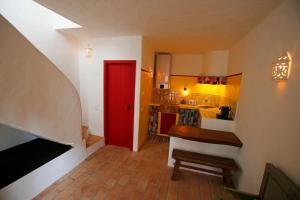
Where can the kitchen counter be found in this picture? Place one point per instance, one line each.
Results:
(204, 141)
(187, 106)
(209, 112)
(205, 135)
(206, 120)
(206, 111)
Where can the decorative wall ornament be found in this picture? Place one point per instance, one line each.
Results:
(281, 67)
(88, 52)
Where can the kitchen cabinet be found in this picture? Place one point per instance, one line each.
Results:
(189, 117)
(153, 119)
(160, 122)
(167, 120)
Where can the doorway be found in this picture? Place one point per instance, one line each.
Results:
(119, 87)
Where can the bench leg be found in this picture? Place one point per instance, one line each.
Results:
(227, 177)
(175, 170)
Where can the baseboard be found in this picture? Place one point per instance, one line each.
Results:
(92, 149)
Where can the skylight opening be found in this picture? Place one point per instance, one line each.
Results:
(59, 21)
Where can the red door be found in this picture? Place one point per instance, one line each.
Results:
(119, 85)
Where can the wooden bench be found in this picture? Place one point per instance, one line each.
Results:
(226, 164)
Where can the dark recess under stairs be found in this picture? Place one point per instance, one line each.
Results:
(20, 160)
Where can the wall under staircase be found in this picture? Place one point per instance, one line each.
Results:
(36, 24)
(10, 137)
(35, 96)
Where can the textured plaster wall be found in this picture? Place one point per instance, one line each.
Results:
(34, 95)
(268, 113)
(187, 64)
(10, 137)
(215, 63)
(35, 22)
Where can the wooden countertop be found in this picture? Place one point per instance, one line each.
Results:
(153, 104)
(205, 135)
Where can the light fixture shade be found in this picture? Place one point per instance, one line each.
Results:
(281, 68)
(185, 92)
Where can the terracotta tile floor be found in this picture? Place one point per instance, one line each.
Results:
(116, 173)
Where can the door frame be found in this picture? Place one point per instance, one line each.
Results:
(106, 64)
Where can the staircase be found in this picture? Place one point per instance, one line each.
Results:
(89, 138)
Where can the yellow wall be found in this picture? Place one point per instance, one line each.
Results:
(145, 98)
(191, 83)
(231, 93)
(146, 89)
(30, 84)
(232, 89)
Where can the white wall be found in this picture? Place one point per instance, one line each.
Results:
(218, 124)
(91, 77)
(34, 95)
(186, 64)
(201, 147)
(215, 63)
(268, 114)
(212, 63)
(37, 98)
(35, 23)
(10, 137)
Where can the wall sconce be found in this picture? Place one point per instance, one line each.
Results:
(281, 67)
(88, 52)
(151, 73)
(185, 92)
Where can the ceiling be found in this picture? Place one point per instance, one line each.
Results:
(190, 26)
